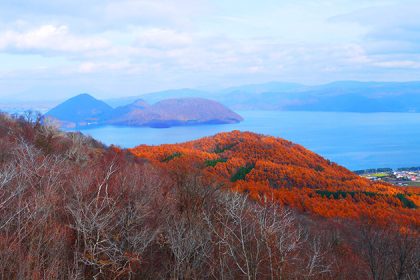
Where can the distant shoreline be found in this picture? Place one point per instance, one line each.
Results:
(386, 169)
(404, 177)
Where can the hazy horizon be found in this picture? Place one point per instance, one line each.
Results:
(58, 49)
(209, 90)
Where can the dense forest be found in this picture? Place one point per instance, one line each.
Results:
(233, 206)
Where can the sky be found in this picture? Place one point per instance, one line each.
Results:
(51, 50)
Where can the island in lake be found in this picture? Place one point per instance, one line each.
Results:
(84, 111)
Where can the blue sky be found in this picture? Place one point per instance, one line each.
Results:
(110, 48)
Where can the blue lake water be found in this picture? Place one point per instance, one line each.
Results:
(354, 140)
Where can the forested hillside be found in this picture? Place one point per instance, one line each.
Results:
(268, 167)
(232, 206)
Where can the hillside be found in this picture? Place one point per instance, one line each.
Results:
(232, 206)
(80, 110)
(265, 166)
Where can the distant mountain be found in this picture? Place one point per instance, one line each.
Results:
(159, 96)
(341, 96)
(363, 97)
(265, 87)
(171, 112)
(84, 110)
(242, 92)
(346, 96)
(138, 105)
(80, 110)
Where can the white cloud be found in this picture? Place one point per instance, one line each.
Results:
(388, 26)
(399, 64)
(93, 67)
(153, 12)
(49, 39)
(87, 67)
(163, 38)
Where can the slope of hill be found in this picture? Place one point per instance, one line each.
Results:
(268, 167)
(80, 110)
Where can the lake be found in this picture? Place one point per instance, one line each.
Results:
(354, 140)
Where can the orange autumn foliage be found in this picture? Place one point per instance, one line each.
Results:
(279, 170)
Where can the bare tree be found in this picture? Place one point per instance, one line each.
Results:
(283, 238)
(190, 246)
(112, 229)
(237, 236)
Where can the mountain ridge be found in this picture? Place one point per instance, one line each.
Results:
(339, 96)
